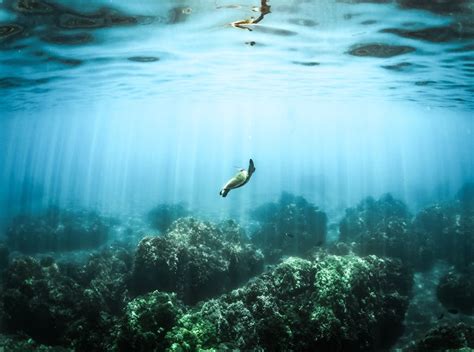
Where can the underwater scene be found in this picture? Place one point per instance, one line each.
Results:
(236, 175)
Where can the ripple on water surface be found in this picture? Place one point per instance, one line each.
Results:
(380, 50)
(249, 45)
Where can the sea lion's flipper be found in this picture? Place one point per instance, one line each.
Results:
(251, 168)
(224, 192)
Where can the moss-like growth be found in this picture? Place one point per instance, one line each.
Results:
(293, 226)
(20, 344)
(356, 299)
(456, 337)
(38, 300)
(146, 321)
(103, 296)
(196, 260)
(67, 304)
(333, 303)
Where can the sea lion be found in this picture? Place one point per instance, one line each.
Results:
(242, 177)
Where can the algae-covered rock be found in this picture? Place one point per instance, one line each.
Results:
(379, 227)
(11, 343)
(58, 230)
(293, 226)
(103, 296)
(163, 215)
(146, 321)
(456, 291)
(446, 230)
(73, 305)
(446, 337)
(195, 259)
(38, 300)
(331, 304)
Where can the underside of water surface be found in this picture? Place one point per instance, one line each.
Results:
(259, 175)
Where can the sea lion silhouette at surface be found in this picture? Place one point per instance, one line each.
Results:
(242, 177)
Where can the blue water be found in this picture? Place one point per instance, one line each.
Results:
(117, 106)
(162, 101)
(130, 156)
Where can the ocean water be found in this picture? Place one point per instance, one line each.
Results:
(119, 117)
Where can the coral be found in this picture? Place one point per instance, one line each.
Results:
(293, 226)
(330, 304)
(456, 291)
(446, 337)
(163, 215)
(146, 321)
(58, 230)
(195, 259)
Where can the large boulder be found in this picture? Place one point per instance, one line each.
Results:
(446, 337)
(379, 227)
(38, 300)
(446, 230)
(384, 227)
(333, 303)
(456, 291)
(163, 215)
(291, 227)
(195, 259)
(68, 304)
(146, 321)
(102, 298)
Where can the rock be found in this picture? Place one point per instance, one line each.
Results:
(331, 304)
(104, 294)
(446, 231)
(58, 230)
(38, 300)
(195, 259)
(71, 305)
(293, 226)
(147, 320)
(456, 291)
(381, 227)
(163, 215)
(446, 337)
(21, 344)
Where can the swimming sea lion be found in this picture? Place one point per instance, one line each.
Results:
(238, 180)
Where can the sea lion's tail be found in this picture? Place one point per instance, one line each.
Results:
(224, 192)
